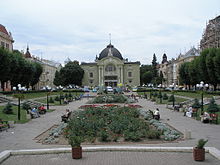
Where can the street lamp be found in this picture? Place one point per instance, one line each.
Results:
(201, 86)
(47, 88)
(19, 96)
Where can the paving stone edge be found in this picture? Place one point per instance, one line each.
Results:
(6, 154)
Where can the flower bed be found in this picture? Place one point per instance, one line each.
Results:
(111, 98)
(134, 106)
(168, 133)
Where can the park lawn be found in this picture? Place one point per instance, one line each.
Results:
(14, 116)
(44, 101)
(193, 95)
(178, 100)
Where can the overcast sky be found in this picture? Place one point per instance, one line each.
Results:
(79, 29)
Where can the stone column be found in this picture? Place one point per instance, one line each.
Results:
(122, 76)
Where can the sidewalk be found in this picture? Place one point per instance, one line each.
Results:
(21, 137)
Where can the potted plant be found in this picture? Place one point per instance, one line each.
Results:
(199, 150)
(75, 142)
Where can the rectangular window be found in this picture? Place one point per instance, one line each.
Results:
(7, 46)
(129, 74)
(2, 44)
(91, 74)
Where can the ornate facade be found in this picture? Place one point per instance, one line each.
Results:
(111, 69)
(170, 69)
(49, 69)
(211, 35)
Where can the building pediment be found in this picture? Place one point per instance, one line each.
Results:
(110, 59)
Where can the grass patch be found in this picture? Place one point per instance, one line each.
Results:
(14, 116)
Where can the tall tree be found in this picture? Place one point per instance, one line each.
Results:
(71, 73)
(211, 67)
(143, 70)
(38, 69)
(4, 67)
(154, 66)
(184, 74)
(57, 79)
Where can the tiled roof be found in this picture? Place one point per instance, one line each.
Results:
(3, 29)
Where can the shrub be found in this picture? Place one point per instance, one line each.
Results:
(165, 97)
(104, 136)
(51, 100)
(159, 95)
(171, 98)
(153, 134)
(196, 104)
(213, 107)
(26, 106)
(57, 98)
(8, 109)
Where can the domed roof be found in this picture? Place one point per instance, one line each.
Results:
(110, 51)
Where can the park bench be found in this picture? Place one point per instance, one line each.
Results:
(214, 118)
(66, 119)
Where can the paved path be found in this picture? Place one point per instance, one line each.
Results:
(182, 123)
(21, 137)
(112, 158)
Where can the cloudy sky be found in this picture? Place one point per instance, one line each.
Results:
(79, 29)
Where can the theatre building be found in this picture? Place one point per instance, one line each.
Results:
(111, 69)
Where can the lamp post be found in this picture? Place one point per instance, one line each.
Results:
(48, 93)
(201, 86)
(19, 96)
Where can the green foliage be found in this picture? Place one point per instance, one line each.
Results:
(110, 98)
(57, 98)
(153, 134)
(205, 68)
(8, 109)
(104, 135)
(213, 107)
(26, 106)
(171, 98)
(15, 68)
(159, 94)
(51, 100)
(165, 97)
(201, 143)
(108, 124)
(71, 73)
(196, 104)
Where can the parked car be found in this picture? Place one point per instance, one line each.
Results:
(109, 89)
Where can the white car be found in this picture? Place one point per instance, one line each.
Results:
(109, 89)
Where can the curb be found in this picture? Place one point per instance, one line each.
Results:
(6, 154)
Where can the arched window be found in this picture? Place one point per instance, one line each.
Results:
(90, 74)
(110, 68)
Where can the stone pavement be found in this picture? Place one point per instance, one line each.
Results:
(22, 135)
(112, 158)
(181, 123)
